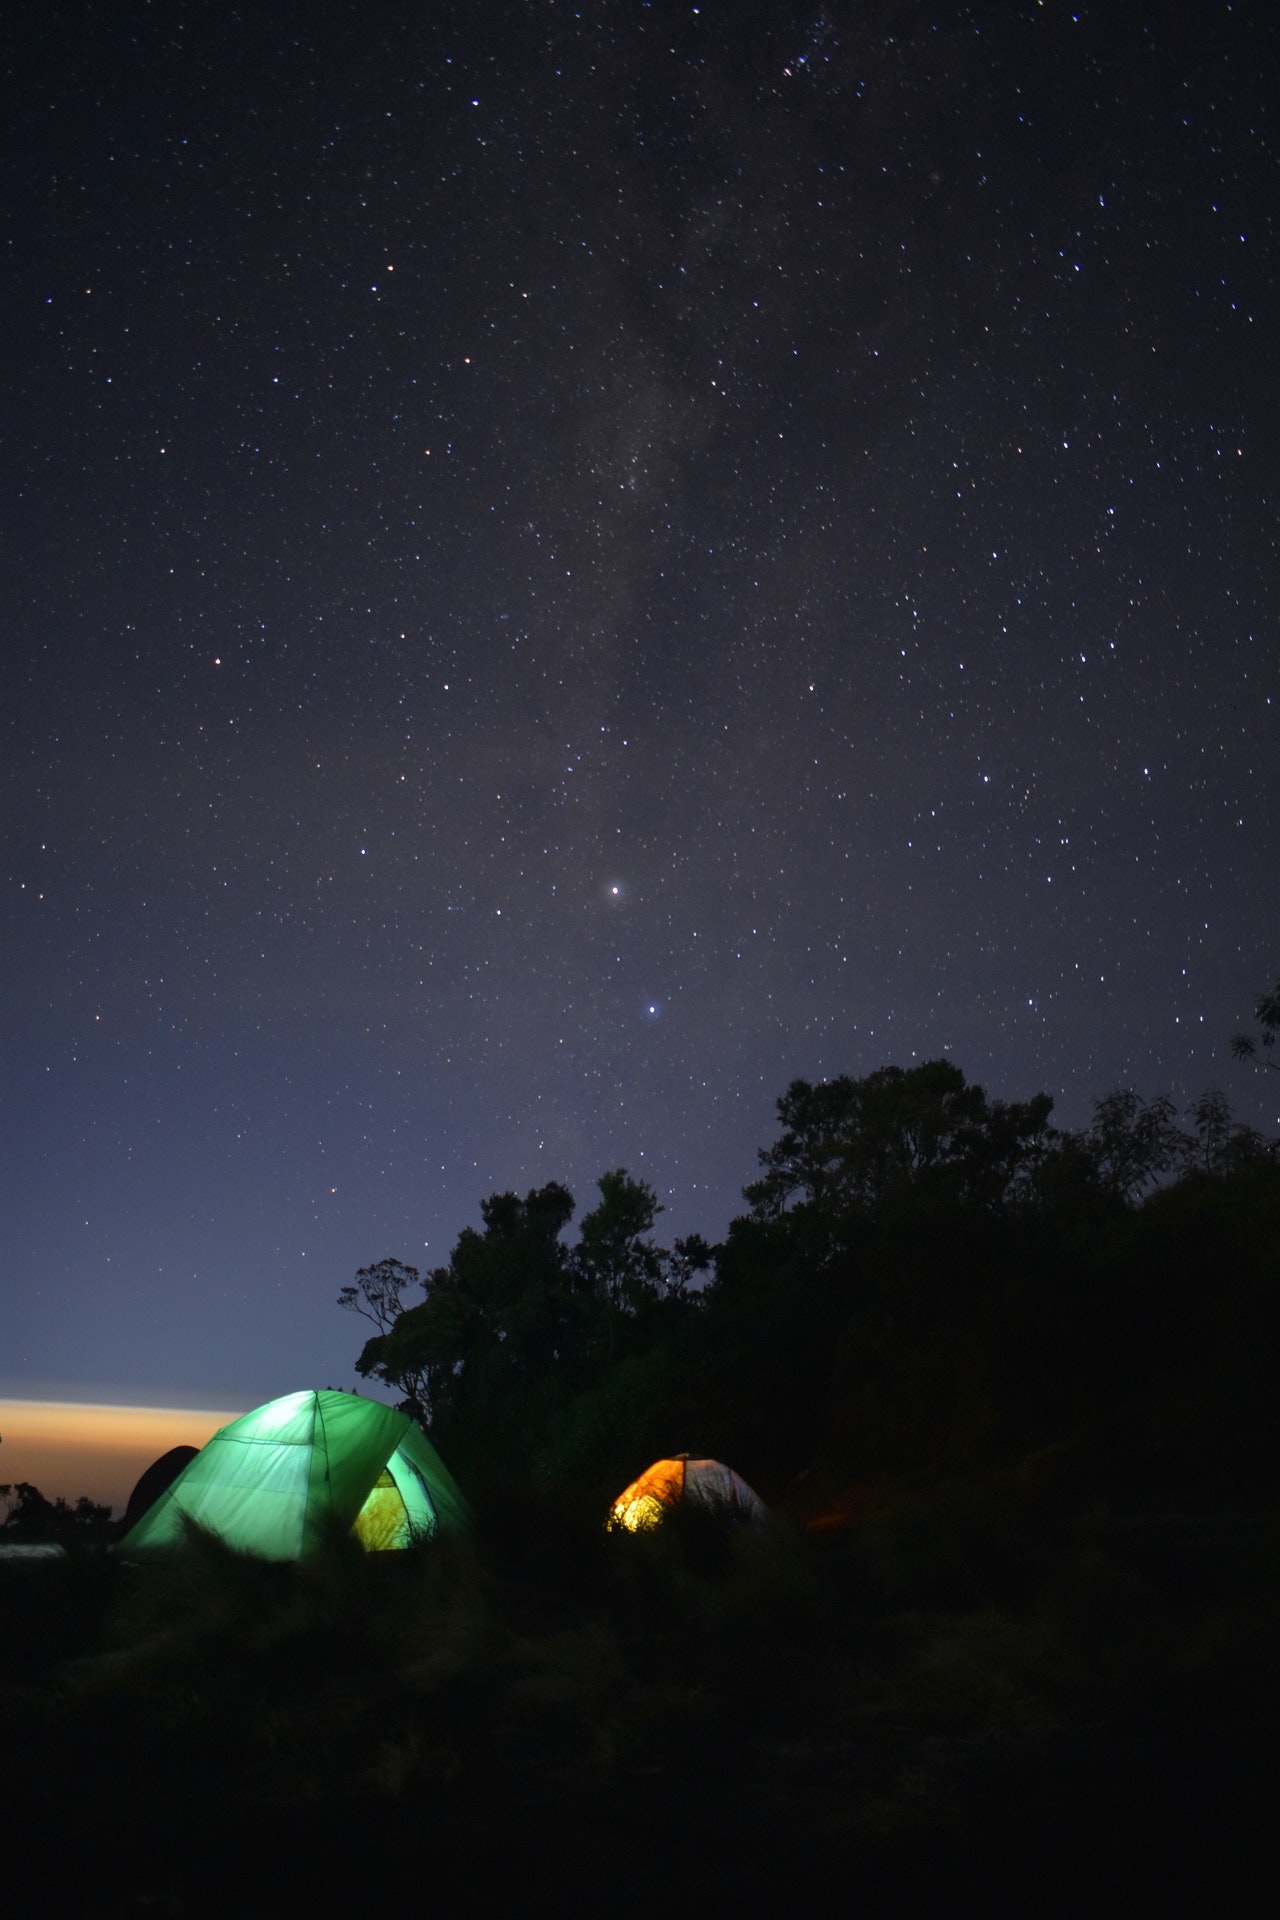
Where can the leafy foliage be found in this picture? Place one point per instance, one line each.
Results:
(922, 1274)
(378, 1293)
(1248, 1046)
(852, 1146)
(1132, 1141)
(520, 1322)
(1221, 1142)
(30, 1517)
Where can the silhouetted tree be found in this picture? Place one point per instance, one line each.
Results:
(856, 1145)
(1248, 1046)
(1221, 1142)
(419, 1352)
(688, 1260)
(520, 1322)
(30, 1517)
(616, 1255)
(924, 1276)
(505, 1309)
(1132, 1142)
(378, 1293)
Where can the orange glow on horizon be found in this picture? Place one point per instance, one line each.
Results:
(68, 1448)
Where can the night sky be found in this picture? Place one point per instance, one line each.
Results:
(564, 566)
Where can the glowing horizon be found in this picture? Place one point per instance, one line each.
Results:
(69, 1448)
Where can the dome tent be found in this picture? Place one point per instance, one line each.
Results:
(277, 1480)
(705, 1484)
(155, 1480)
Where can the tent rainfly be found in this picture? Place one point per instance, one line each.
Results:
(277, 1480)
(154, 1481)
(706, 1484)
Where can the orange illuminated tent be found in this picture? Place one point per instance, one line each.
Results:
(704, 1484)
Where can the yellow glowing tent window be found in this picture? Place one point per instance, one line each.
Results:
(382, 1521)
(644, 1503)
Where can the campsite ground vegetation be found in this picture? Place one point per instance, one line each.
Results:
(985, 1676)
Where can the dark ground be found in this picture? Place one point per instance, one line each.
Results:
(993, 1696)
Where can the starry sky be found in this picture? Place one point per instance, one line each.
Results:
(565, 565)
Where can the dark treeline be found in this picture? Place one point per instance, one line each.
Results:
(29, 1517)
(924, 1279)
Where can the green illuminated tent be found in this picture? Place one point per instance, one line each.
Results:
(277, 1480)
